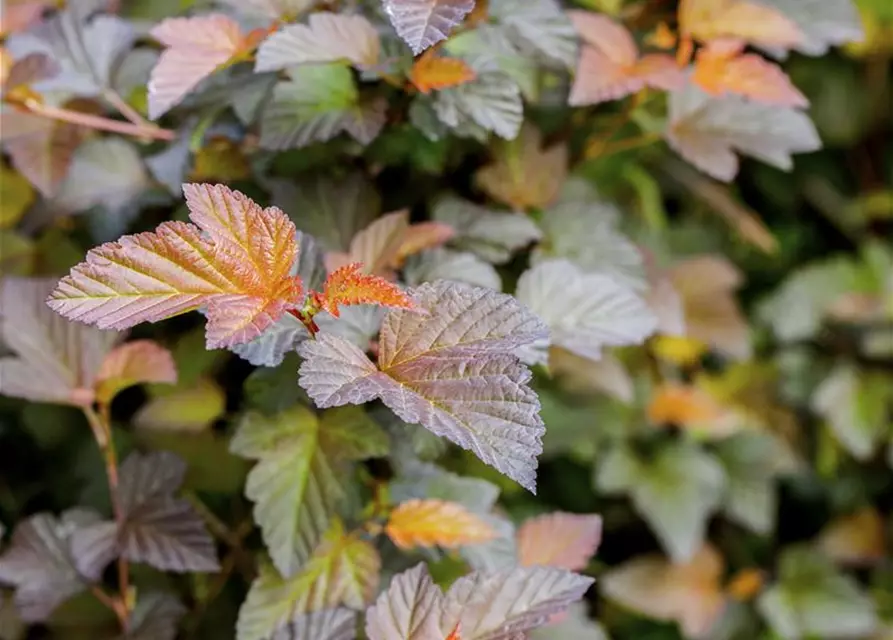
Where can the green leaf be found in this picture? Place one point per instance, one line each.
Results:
(675, 491)
(811, 599)
(299, 479)
(751, 461)
(492, 101)
(343, 570)
(540, 29)
(316, 104)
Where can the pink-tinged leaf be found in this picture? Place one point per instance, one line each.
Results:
(449, 368)
(236, 262)
(56, 361)
(348, 286)
(721, 68)
(137, 362)
(756, 22)
(196, 47)
(610, 67)
(422, 236)
(18, 15)
(408, 610)
(32, 68)
(563, 540)
(377, 246)
(424, 23)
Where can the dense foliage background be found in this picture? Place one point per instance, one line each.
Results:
(735, 434)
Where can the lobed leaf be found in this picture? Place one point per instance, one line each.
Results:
(327, 37)
(756, 22)
(348, 286)
(447, 369)
(430, 73)
(240, 269)
(563, 540)
(424, 23)
(331, 624)
(538, 27)
(425, 523)
(137, 362)
(445, 264)
(492, 101)
(824, 23)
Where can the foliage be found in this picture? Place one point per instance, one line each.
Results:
(632, 257)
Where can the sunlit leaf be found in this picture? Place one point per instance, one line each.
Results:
(688, 593)
(564, 540)
(811, 598)
(425, 523)
(327, 37)
(240, 269)
(432, 73)
(610, 66)
(523, 174)
(348, 286)
(299, 480)
(675, 491)
(709, 131)
(756, 22)
(196, 47)
(136, 362)
(343, 570)
(431, 367)
(585, 311)
(423, 23)
(56, 361)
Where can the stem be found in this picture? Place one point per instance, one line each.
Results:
(126, 110)
(98, 122)
(102, 432)
(606, 148)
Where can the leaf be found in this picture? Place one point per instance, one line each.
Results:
(343, 570)
(196, 47)
(430, 73)
(538, 27)
(159, 529)
(498, 606)
(686, 406)
(523, 174)
(706, 284)
(492, 101)
(810, 598)
(425, 523)
(433, 367)
(86, 48)
(40, 149)
(155, 617)
(30, 69)
(756, 22)
(327, 37)
(16, 195)
(424, 23)
(687, 593)
(107, 173)
(720, 68)
(855, 406)
(492, 235)
(583, 229)
(408, 610)
(189, 408)
(418, 480)
(348, 286)
(331, 624)
(563, 540)
(55, 360)
(316, 104)
(610, 67)
(823, 22)
(856, 539)
(137, 362)
(585, 311)
(376, 246)
(239, 269)
(751, 463)
(444, 264)
(675, 491)
(422, 236)
(707, 132)
(39, 562)
(299, 480)
(491, 48)
(358, 324)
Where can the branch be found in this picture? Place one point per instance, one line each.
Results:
(98, 122)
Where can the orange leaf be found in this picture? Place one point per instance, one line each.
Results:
(610, 66)
(349, 285)
(662, 37)
(454, 634)
(751, 21)
(856, 539)
(425, 523)
(746, 584)
(134, 363)
(235, 260)
(564, 540)
(682, 405)
(421, 236)
(431, 73)
(721, 68)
